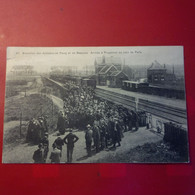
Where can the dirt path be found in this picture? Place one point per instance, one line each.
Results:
(130, 141)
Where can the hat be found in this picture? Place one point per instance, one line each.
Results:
(46, 133)
(54, 145)
(40, 145)
(88, 125)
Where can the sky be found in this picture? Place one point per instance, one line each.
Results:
(43, 58)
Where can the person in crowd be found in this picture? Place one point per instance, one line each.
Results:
(59, 142)
(45, 124)
(55, 154)
(69, 140)
(45, 143)
(111, 128)
(38, 155)
(102, 134)
(116, 134)
(61, 123)
(135, 120)
(42, 129)
(96, 136)
(107, 135)
(129, 120)
(88, 139)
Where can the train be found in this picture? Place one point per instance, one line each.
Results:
(87, 82)
(76, 80)
(169, 91)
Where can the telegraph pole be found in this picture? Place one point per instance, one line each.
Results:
(20, 124)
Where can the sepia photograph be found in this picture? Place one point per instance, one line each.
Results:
(95, 105)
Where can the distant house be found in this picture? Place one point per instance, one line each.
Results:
(108, 71)
(104, 73)
(157, 74)
(22, 70)
(103, 61)
(116, 79)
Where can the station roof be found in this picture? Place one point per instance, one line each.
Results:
(116, 73)
(107, 68)
(156, 66)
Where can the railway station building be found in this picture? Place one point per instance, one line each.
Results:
(157, 74)
(109, 71)
(116, 79)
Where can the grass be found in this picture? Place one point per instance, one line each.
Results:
(159, 152)
(28, 107)
(16, 85)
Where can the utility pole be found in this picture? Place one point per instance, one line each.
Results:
(52, 111)
(20, 124)
(136, 104)
(41, 109)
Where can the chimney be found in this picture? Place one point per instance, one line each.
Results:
(123, 64)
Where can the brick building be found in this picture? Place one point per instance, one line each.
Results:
(157, 74)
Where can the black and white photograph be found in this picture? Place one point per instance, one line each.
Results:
(95, 105)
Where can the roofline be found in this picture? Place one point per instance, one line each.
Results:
(111, 67)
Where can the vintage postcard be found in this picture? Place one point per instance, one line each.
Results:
(95, 105)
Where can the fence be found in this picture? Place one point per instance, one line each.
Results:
(177, 136)
(43, 110)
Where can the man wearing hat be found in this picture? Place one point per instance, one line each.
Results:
(69, 140)
(88, 139)
(38, 155)
(116, 133)
(61, 123)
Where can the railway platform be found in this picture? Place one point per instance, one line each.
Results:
(167, 109)
(177, 103)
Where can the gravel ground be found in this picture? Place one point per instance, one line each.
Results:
(22, 153)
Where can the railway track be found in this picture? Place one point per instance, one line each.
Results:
(56, 83)
(168, 112)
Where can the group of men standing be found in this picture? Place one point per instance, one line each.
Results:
(40, 155)
(99, 135)
(102, 134)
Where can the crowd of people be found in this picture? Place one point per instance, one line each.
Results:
(102, 121)
(37, 129)
(82, 108)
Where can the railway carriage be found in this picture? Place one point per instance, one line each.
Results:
(135, 86)
(170, 91)
(88, 82)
